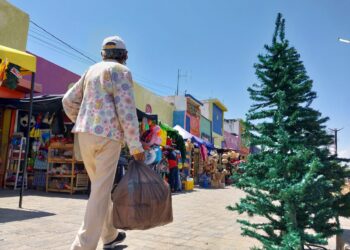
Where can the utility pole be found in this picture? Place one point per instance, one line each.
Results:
(178, 80)
(336, 139)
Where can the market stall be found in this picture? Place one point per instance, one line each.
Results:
(203, 160)
(51, 163)
(24, 64)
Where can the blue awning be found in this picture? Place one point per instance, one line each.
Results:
(187, 135)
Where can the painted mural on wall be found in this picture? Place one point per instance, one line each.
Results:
(195, 125)
(193, 119)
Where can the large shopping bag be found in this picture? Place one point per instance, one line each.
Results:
(142, 199)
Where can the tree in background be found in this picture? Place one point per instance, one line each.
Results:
(294, 182)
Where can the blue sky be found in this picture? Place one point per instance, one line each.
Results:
(214, 42)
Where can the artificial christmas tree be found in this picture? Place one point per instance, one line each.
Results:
(294, 182)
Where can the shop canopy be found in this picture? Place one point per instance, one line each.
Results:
(26, 61)
(46, 103)
(51, 103)
(151, 117)
(187, 135)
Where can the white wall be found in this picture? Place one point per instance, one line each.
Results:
(232, 126)
(205, 111)
(179, 102)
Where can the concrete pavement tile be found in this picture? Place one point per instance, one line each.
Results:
(201, 221)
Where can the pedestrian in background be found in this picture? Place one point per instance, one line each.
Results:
(102, 105)
(173, 168)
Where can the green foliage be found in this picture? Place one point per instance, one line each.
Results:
(294, 182)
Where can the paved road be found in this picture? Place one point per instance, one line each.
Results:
(50, 221)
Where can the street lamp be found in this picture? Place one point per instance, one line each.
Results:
(343, 40)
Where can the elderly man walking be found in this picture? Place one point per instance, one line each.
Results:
(102, 105)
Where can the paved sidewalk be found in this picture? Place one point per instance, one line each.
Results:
(50, 221)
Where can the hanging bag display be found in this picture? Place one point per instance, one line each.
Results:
(142, 200)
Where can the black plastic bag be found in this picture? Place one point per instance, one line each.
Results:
(142, 199)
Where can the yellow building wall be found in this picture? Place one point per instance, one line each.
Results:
(14, 25)
(4, 142)
(218, 139)
(160, 107)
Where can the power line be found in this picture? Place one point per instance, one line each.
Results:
(151, 88)
(42, 34)
(154, 82)
(56, 47)
(59, 51)
(68, 45)
(45, 34)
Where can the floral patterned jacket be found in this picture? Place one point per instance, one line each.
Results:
(102, 103)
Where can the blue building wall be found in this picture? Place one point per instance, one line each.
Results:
(217, 119)
(179, 118)
(188, 124)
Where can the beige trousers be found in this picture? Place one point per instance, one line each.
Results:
(100, 156)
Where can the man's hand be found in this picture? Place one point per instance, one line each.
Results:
(139, 156)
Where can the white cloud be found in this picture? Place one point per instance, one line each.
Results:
(344, 153)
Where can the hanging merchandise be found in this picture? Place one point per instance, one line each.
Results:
(24, 121)
(204, 152)
(150, 156)
(152, 137)
(178, 139)
(224, 161)
(3, 67)
(35, 132)
(12, 76)
(48, 119)
(189, 147)
(144, 124)
(159, 154)
(163, 137)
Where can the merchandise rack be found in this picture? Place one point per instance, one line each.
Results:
(15, 164)
(78, 182)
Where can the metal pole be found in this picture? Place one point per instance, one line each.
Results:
(336, 139)
(27, 141)
(178, 82)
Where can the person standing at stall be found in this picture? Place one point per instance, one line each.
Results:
(102, 105)
(173, 166)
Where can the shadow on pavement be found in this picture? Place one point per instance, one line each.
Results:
(6, 193)
(120, 247)
(8, 214)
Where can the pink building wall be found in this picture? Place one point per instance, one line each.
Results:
(232, 141)
(54, 78)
